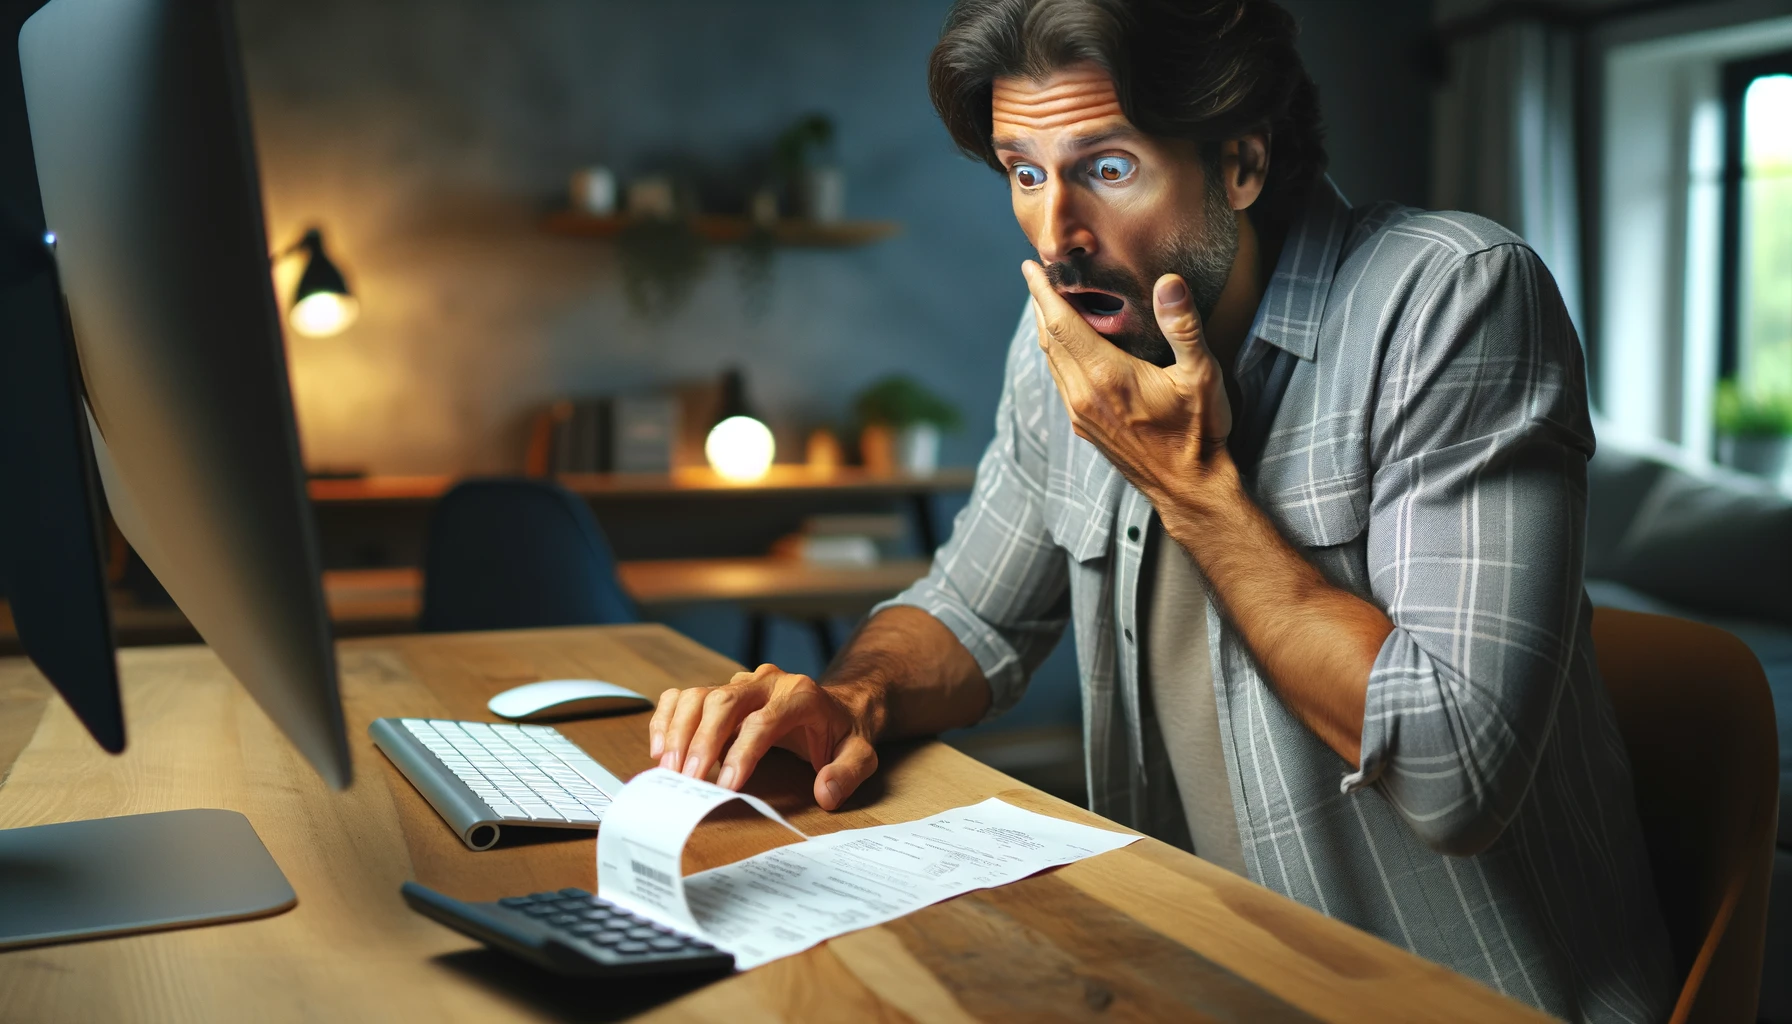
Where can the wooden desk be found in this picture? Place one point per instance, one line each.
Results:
(377, 602)
(780, 480)
(382, 520)
(1145, 933)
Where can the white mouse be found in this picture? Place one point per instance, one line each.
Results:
(565, 698)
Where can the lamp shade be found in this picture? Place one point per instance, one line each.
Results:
(322, 304)
(739, 448)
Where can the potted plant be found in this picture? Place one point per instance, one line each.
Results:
(800, 155)
(901, 423)
(1754, 432)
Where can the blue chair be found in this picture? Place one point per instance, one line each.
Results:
(516, 554)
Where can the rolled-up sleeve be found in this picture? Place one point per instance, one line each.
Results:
(1479, 445)
(999, 583)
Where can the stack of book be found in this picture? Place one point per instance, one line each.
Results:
(620, 434)
(845, 540)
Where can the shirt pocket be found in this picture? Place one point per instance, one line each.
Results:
(1318, 497)
(1082, 498)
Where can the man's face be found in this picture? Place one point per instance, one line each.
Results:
(1109, 208)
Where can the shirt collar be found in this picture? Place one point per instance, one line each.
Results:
(1288, 317)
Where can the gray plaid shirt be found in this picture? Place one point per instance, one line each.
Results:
(1428, 453)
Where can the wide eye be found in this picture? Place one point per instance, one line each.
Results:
(1112, 169)
(1028, 176)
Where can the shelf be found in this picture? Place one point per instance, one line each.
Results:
(782, 480)
(724, 229)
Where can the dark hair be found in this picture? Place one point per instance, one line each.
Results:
(1203, 70)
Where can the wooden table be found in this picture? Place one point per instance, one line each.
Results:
(779, 479)
(375, 602)
(1144, 933)
(382, 520)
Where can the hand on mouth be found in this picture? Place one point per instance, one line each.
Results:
(1104, 311)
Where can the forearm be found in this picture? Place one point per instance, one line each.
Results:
(1315, 642)
(905, 674)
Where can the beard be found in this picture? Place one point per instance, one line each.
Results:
(1203, 258)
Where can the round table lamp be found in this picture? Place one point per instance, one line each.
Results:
(739, 448)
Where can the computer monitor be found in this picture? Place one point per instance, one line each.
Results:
(140, 133)
(145, 163)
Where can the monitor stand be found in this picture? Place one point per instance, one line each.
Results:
(137, 873)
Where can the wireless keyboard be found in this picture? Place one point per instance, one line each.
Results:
(481, 776)
(572, 932)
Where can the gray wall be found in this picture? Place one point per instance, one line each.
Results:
(428, 137)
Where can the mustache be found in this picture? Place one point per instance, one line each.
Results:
(1082, 272)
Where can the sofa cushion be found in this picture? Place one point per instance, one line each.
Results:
(1720, 545)
(1618, 480)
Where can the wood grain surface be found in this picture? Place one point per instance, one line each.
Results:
(1144, 933)
(780, 479)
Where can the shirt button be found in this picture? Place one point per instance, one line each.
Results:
(1128, 636)
(1132, 533)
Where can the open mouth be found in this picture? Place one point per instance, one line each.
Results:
(1097, 303)
(1104, 311)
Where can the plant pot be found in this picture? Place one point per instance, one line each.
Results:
(824, 194)
(1762, 455)
(918, 448)
(877, 449)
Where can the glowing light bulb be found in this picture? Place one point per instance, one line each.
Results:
(322, 314)
(740, 449)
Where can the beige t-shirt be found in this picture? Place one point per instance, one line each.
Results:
(1178, 686)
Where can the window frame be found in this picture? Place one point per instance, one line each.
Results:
(1737, 77)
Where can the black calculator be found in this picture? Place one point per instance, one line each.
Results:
(573, 932)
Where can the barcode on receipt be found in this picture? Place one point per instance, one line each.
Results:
(652, 874)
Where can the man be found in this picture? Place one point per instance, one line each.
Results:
(1309, 481)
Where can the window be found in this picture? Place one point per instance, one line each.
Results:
(1756, 340)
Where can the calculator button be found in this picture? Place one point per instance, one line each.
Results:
(608, 937)
(585, 929)
(596, 914)
(582, 894)
(631, 947)
(539, 909)
(563, 919)
(514, 901)
(666, 945)
(643, 933)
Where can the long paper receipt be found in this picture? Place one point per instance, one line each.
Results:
(785, 900)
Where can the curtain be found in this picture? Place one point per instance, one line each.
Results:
(1504, 141)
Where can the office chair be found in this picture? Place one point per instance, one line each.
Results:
(1697, 718)
(514, 554)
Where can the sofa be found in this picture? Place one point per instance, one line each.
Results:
(1702, 543)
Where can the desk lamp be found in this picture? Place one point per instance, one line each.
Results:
(739, 448)
(322, 305)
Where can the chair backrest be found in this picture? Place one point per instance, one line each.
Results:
(1697, 718)
(514, 554)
